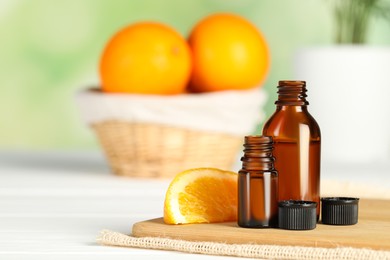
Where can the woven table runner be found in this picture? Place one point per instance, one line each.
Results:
(111, 238)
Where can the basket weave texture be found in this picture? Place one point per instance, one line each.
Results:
(154, 150)
(160, 136)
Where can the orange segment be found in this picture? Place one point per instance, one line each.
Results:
(201, 195)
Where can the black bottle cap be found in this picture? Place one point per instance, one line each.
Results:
(297, 214)
(339, 210)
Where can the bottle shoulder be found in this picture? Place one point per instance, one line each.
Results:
(291, 124)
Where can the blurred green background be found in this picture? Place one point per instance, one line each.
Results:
(50, 49)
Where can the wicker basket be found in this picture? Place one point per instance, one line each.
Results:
(153, 150)
(160, 136)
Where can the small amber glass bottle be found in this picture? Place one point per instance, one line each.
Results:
(258, 184)
(297, 145)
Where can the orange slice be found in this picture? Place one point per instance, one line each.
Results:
(202, 195)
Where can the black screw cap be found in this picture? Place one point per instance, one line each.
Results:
(339, 210)
(297, 214)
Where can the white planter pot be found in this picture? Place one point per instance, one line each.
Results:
(349, 95)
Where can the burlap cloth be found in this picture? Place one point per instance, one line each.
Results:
(111, 238)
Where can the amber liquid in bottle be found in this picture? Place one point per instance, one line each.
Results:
(297, 144)
(257, 184)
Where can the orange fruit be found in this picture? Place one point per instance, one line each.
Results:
(229, 53)
(201, 195)
(146, 58)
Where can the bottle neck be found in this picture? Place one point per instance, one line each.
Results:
(292, 93)
(258, 154)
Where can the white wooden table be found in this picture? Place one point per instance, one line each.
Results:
(53, 205)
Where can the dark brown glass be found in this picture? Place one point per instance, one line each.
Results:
(258, 184)
(297, 144)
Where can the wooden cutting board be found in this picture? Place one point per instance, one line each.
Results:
(371, 231)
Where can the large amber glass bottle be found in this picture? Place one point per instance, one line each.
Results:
(297, 144)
